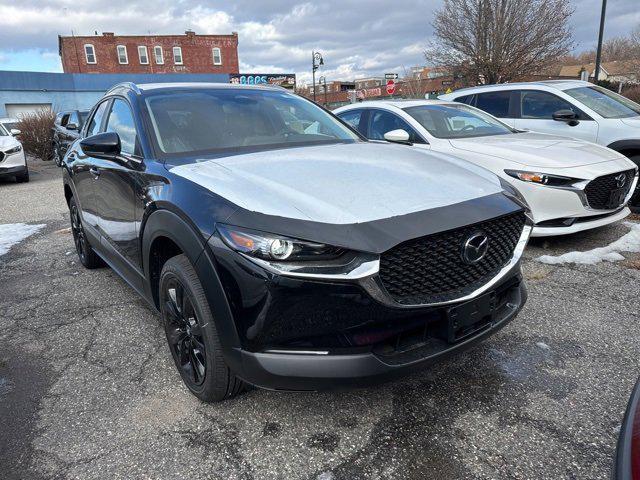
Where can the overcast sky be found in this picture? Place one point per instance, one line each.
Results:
(357, 38)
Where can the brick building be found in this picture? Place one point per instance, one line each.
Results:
(188, 53)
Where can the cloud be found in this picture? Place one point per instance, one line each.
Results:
(356, 37)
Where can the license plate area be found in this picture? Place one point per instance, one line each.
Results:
(470, 317)
(616, 197)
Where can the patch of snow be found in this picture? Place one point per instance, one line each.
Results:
(543, 346)
(13, 233)
(629, 242)
(326, 476)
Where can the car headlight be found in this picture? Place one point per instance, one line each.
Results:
(16, 149)
(542, 178)
(267, 246)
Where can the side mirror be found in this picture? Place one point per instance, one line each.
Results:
(568, 116)
(72, 126)
(397, 136)
(15, 132)
(103, 145)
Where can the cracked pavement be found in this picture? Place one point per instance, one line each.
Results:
(88, 389)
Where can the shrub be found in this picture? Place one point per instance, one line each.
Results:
(632, 93)
(36, 133)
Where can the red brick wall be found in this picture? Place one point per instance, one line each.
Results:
(197, 56)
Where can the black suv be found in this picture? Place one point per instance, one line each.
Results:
(280, 247)
(66, 130)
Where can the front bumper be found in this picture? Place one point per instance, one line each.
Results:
(300, 370)
(580, 224)
(11, 171)
(307, 334)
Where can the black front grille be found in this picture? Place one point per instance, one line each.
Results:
(431, 269)
(599, 190)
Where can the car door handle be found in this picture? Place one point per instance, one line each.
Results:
(94, 171)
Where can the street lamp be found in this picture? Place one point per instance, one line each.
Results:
(323, 80)
(315, 57)
(600, 34)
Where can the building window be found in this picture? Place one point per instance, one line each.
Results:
(177, 55)
(143, 55)
(123, 59)
(217, 56)
(90, 53)
(157, 52)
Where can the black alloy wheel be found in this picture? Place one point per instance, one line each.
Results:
(87, 256)
(192, 335)
(79, 238)
(184, 332)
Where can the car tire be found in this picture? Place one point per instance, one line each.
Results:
(23, 177)
(192, 335)
(634, 203)
(57, 158)
(88, 257)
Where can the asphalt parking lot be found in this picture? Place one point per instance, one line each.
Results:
(88, 389)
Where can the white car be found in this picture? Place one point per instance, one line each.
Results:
(13, 162)
(10, 124)
(570, 185)
(571, 108)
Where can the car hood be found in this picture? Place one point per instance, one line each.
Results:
(538, 150)
(7, 142)
(341, 183)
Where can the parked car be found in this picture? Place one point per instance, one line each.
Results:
(10, 124)
(570, 185)
(66, 130)
(285, 256)
(627, 465)
(570, 108)
(13, 162)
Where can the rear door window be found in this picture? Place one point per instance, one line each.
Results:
(495, 103)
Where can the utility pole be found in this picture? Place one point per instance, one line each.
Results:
(600, 34)
(314, 66)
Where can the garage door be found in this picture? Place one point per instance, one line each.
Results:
(17, 110)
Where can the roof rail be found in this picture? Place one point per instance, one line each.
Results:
(130, 85)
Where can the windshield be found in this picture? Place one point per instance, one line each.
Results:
(604, 102)
(456, 121)
(240, 119)
(3, 131)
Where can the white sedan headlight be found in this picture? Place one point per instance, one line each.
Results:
(16, 149)
(542, 178)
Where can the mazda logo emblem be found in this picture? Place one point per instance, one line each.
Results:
(621, 180)
(475, 248)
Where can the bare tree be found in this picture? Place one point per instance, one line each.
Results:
(499, 40)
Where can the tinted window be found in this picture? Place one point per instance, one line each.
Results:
(65, 119)
(542, 105)
(468, 99)
(381, 122)
(236, 119)
(456, 121)
(352, 117)
(96, 120)
(605, 102)
(495, 103)
(3, 131)
(121, 122)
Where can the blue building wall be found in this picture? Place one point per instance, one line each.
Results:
(78, 91)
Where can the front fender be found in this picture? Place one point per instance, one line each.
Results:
(165, 223)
